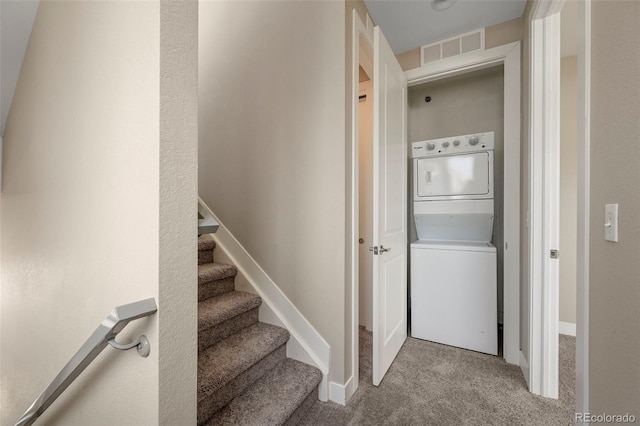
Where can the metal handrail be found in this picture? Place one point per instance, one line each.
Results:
(104, 335)
(207, 224)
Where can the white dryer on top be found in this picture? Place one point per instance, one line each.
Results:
(453, 188)
(458, 168)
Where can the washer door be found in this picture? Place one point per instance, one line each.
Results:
(455, 176)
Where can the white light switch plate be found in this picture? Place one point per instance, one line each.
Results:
(611, 222)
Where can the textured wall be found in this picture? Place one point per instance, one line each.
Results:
(80, 210)
(272, 146)
(615, 172)
(178, 302)
(568, 187)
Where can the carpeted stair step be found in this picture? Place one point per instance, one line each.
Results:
(228, 368)
(215, 279)
(221, 316)
(282, 396)
(205, 249)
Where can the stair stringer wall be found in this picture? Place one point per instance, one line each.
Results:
(267, 315)
(306, 343)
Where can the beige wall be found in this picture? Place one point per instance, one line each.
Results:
(80, 215)
(495, 35)
(470, 103)
(503, 33)
(272, 146)
(568, 187)
(410, 59)
(614, 289)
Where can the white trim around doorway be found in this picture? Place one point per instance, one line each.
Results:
(544, 136)
(584, 182)
(507, 55)
(544, 139)
(361, 55)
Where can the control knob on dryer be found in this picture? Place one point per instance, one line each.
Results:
(445, 144)
(456, 142)
(474, 140)
(431, 146)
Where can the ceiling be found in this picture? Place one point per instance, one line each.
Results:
(16, 21)
(408, 24)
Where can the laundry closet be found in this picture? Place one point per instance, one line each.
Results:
(455, 223)
(456, 122)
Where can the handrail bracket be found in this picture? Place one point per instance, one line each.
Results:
(142, 345)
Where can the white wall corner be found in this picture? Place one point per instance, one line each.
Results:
(524, 366)
(567, 328)
(341, 394)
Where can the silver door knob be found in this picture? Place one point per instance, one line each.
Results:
(382, 249)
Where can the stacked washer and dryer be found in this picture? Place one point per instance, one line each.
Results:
(454, 263)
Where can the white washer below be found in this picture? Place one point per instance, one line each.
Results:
(454, 294)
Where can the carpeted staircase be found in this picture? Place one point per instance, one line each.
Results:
(244, 376)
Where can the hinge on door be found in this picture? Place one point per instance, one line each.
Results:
(374, 249)
(554, 254)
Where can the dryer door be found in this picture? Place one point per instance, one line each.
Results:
(465, 176)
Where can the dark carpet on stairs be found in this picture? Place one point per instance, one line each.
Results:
(433, 384)
(244, 375)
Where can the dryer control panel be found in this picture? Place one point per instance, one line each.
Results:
(453, 145)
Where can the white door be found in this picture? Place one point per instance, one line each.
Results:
(389, 207)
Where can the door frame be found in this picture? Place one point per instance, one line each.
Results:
(544, 67)
(544, 149)
(361, 55)
(507, 55)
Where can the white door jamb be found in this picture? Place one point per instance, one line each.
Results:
(544, 183)
(544, 139)
(361, 55)
(584, 178)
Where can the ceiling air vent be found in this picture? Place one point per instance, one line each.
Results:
(454, 46)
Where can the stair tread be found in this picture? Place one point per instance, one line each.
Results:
(208, 272)
(206, 243)
(274, 398)
(221, 308)
(228, 358)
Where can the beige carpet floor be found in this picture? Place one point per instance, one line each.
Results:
(433, 384)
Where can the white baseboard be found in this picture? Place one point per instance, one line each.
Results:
(567, 328)
(306, 344)
(341, 394)
(524, 366)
